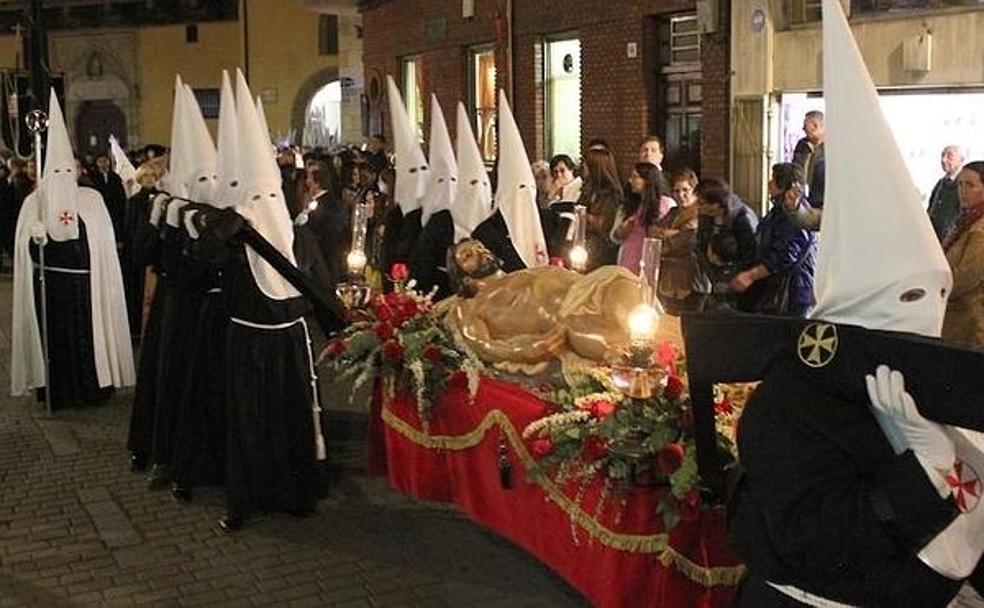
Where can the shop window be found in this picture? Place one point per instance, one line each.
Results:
(482, 98)
(562, 96)
(328, 35)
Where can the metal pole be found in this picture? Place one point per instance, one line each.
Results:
(37, 122)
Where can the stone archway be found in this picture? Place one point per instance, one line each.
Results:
(311, 86)
(95, 122)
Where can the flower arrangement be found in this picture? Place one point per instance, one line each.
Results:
(399, 337)
(595, 429)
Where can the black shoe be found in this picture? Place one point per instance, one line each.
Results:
(158, 477)
(180, 493)
(138, 462)
(230, 524)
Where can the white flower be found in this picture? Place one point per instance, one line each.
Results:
(548, 424)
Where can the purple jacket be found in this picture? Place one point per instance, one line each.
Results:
(781, 245)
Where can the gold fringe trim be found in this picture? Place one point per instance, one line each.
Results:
(631, 543)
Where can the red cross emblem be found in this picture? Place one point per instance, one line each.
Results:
(66, 218)
(965, 484)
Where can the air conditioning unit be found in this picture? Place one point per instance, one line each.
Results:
(707, 16)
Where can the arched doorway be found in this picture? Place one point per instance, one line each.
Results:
(96, 121)
(323, 117)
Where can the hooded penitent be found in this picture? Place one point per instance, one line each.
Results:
(473, 203)
(228, 169)
(123, 167)
(59, 184)
(443, 183)
(200, 176)
(175, 170)
(57, 205)
(515, 196)
(411, 166)
(881, 266)
(262, 202)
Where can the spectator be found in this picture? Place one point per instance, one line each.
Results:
(780, 281)
(651, 151)
(541, 173)
(327, 217)
(964, 247)
(565, 186)
(721, 255)
(602, 194)
(640, 210)
(944, 201)
(110, 186)
(809, 157)
(720, 211)
(678, 229)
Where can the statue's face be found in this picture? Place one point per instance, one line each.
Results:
(474, 259)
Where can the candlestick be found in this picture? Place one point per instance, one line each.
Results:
(578, 255)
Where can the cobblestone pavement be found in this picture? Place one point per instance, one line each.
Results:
(78, 528)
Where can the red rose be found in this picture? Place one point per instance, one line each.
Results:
(669, 458)
(383, 312)
(399, 272)
(433, 354)
(688, 507)
(384, 331)
(392, 351)
(541, 446)
(600, 408)
(724, 407)
(674, 387)
(337, 348)
(409, 307)
(595, 448)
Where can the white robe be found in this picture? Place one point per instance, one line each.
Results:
(111, 346)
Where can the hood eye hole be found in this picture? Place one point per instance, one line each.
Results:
(943, 294)
(412, 170)
(423, 167)
(273, 195)
(234, 184)
(440, 180)
(913, 295)
(57, 170)
(256, 197)
(202, 179)
(454, 179)
(473, 182)
(521, 186)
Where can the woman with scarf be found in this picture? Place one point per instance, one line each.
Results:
(964, 247)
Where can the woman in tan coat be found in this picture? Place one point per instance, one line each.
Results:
(964, 247)
(678, 229)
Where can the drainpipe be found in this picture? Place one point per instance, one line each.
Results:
(244, 34)
(509, 47)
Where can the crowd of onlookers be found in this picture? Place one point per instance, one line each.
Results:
(717, 253)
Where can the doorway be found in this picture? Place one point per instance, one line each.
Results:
(96, 121)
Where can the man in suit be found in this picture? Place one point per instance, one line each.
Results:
(110, 185)
(944, 205)
(327, 218)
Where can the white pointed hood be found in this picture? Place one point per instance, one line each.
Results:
(263, 203)
(123, 167)
(443, 182)
(264, 125)
(174, 180)
(880, 266)
(473, 202)
(515, 196)
(412, 172)
(200, 179)
(228, 169)
(59, 187)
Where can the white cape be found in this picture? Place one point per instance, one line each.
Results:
(110, 328)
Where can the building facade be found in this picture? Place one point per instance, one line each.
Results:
(118, 78)
(575, 71)
(925, 56)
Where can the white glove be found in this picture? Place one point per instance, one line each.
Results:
(173, 217)
(956, 550)
(190, 224)
(905, 428)
(157, 209)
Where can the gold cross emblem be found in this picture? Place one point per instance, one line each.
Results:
(817, 344)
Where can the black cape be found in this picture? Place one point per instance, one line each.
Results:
(494, 234)
(428, 263)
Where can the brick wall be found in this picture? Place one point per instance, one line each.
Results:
(619, 99)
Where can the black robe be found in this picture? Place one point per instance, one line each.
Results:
(494, 234)
(138, 244)
(824, 504)
(148, 251)
(72, 368)
(270, 456)
(199, 440)
(428, 263)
